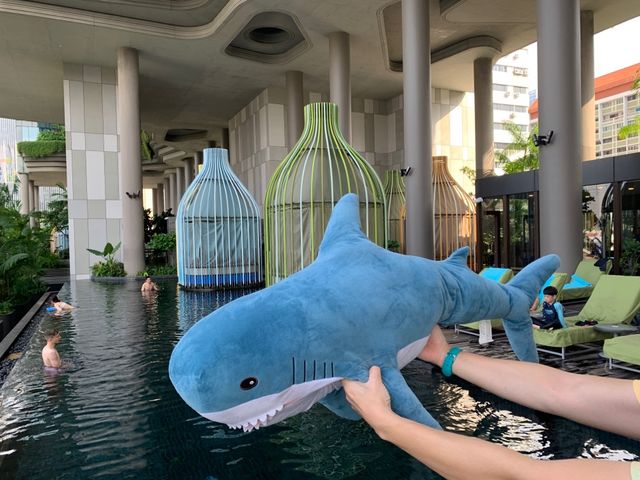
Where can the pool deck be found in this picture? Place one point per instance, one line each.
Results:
(589, 362)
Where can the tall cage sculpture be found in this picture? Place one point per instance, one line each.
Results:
(396, 210)
(218, 229)
(319, 170)
(454, 214)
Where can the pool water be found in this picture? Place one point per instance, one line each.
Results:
(114, 413)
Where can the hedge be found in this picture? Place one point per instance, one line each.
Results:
(39, 149)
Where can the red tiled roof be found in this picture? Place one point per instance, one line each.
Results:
(606, 85)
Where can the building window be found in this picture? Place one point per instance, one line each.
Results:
(521, 72)
(498, 87)
(520, 89)
(499, 68)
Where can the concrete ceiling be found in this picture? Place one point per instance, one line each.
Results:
(187, 81)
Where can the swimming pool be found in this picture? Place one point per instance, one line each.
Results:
(115, 414)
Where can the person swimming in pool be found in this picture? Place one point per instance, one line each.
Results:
(59, 305)
(50, 356)
(149, 286)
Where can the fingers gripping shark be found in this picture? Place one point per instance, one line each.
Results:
(275, 353)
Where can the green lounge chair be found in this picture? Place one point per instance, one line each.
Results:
(501, 275)
(624, 349)
(615, 299)
(583, 281)
(557, 280)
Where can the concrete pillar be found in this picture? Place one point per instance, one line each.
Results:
(24, 193)
(295, 107)
(167, 193)
(32, 203)
(154, 197)
(188, 172)
(198, 161)
(587, 88)
(160, 192)
(36, 198)
(179, 185)
(483, 103)
(225, 138)
(130, 163)
(340, 79)
(173, 193)
(416, 61)
(560, 173)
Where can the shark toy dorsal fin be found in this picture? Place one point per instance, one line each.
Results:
(344, 223)
(459, 257)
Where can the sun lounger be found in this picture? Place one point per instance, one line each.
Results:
(482, 329)
(583, 280)
(615, 299)
(624, 349)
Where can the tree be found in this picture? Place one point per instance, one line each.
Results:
(633, 128)
(521, 154)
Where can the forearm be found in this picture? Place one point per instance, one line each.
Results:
(458, 457)
(577, 397)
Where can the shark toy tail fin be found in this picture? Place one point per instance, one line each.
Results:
(523, 289)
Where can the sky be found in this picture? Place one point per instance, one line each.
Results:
(613, 49)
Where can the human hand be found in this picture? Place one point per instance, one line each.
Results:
(370, 400)
(436, 348)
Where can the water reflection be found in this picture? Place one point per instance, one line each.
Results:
(116, 414)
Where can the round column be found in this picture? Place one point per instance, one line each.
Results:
(340, 79)
(416, 63)
(167, 193)
(587, 87)
(483, 103)
(130, 163)
(24, 193)
(188, 172)
(173, 193)
(295, 107)
(179, 185)
(160, 192)
(560, 173)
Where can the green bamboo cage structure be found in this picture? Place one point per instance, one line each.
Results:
(319, 170)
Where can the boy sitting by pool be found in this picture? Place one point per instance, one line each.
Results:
(552, 315)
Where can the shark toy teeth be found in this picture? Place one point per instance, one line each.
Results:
(275, 353)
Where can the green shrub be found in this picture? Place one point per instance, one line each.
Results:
(161, 270)
(39, 149)
(109, 267)
(630, 258)
(162, 242)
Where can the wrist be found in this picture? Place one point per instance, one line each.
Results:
(449, 359)
(386, 424)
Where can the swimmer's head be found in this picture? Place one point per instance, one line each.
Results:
(53, 335)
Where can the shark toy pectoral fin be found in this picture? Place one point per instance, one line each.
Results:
(520, 335)
(336, 401)
(403, 400)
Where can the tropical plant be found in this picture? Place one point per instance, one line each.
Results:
(154, 224)
(109, 267)
(23, 253)
(56, 216)
(633, 128)
(146, 152)
(162, 242)
(521, 154)
(630, 258)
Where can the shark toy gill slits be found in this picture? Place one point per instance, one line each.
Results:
(275, 353)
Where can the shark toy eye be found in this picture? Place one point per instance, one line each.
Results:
(248, 383)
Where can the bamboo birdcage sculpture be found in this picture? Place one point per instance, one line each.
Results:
(218, 229)
(396, 209)
(319, 170)
(454, 214)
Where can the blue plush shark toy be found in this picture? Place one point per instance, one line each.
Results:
(275, 353)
